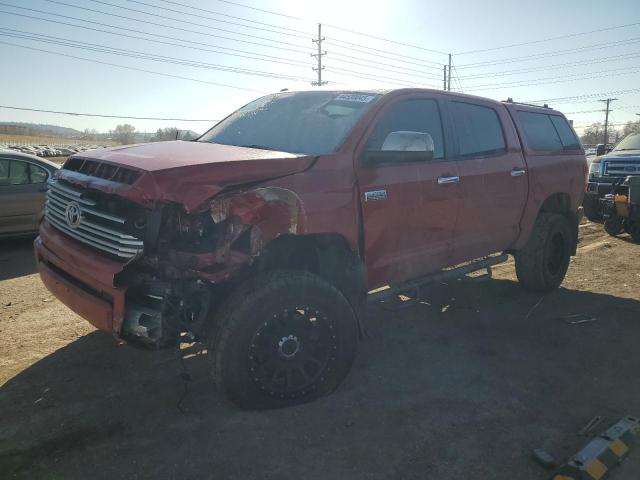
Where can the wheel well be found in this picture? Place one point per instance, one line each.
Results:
(561, 203)
(327, 255)
(557, 203)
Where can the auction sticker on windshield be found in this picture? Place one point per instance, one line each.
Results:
(354, 97)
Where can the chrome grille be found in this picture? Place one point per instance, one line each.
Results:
(92, 226)
(621, 169)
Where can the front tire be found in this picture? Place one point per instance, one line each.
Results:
(543, 263)
(283, 338)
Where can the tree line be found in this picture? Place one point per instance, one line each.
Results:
(126, 134)
(595, 133)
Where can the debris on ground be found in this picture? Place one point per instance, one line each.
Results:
(544, 458)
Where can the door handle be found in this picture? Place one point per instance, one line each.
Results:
(518, 172)
(448, 179)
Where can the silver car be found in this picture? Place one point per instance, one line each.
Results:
(23, 186)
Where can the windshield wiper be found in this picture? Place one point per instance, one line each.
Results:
(259, 147)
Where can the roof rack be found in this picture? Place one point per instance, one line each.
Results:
(510, 100)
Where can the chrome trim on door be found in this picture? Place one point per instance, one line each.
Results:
(448, 180)
(518, 172)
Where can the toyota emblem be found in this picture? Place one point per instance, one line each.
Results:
(73, 214)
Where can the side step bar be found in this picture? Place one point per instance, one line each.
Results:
(415, 284)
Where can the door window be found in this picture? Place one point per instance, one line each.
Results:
(478, 129)
(539, 131)
(567, 136)
(421, 116)
(18, 173)
(37, 174)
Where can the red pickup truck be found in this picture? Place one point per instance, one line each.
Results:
(264, 237)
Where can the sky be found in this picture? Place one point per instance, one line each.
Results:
(198, 41)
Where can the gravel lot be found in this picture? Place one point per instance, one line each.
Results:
(462, 385)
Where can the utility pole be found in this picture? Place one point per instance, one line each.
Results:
(449, 75)
(606, 119)
(444, 86)
(319, 56)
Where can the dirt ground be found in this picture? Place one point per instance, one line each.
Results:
(463, 385)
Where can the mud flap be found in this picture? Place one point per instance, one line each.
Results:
(602, 454)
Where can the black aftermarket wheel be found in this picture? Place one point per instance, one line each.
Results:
(284, 338)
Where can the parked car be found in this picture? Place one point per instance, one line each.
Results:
(621, 162)
(66, 151)
(23, 183)
(263, 238)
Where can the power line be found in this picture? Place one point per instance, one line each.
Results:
(134, 68)
(553, 53)
(260, 9)
(585, 95)
(533, 42)
(151, 23)
(583, 111)
(386, 40)
(217, 49)
(457, 77)
(377, 51)
(145, 56)
(339, 54)
(254, 56)
(191, 7)
(75, 114)
(377, 66)
(366, 76)
(238, 4)
(256, 37)
(227, 22)
(550, 80)
(555, 66)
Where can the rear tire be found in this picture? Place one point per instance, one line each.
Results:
(283, 338)
(543, 262)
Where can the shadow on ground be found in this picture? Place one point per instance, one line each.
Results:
(16, 257)
(463, 385)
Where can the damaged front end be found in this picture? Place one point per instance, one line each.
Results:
(192, 260)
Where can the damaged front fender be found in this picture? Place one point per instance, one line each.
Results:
(255, 217)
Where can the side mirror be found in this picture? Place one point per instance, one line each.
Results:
(405, 141)
(402, 146)
(600, 150)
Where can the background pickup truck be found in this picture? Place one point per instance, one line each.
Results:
(264, 237)
(622, 162)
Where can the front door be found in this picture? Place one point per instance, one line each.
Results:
(21, 199)
(409, 207)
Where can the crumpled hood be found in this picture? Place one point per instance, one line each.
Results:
(185, 172)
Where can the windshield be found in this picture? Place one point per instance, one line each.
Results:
(312, 123)
(632, 142)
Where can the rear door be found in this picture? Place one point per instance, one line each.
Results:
(21, 199)
(409, 207)
(493, 178)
